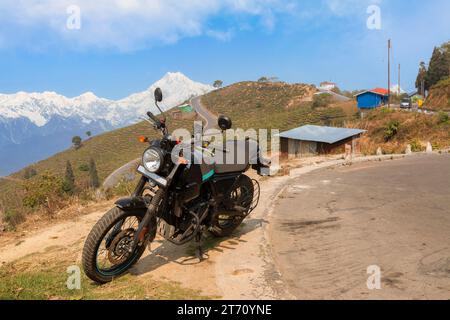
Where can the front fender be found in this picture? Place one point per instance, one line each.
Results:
(131, 203)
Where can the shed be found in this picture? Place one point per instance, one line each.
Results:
(371, 99)
(184, 112)
(312, 140)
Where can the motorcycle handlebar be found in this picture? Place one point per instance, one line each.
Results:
(155, 119)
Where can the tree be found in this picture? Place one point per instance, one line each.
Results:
(421, 76)
(29, 173)
(438, 68)
(263, 79)
(322, 100)
(218, 84)
(69, 179)
(391, 130)
(89, 133)
(76, 141)
(93, 175)
(44, 192)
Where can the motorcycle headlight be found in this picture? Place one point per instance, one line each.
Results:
(152, 160)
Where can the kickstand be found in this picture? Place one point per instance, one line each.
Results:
(199, 251)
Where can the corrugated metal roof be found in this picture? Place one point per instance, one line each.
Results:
(380, 91)
(321, 134)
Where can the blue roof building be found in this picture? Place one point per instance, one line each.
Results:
(372, 99)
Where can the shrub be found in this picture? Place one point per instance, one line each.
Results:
(93, 175)
(386, 110)
(436, 146)
(84, 167)
(391, 130)
(69, 180)
(76, 141)
(321, 100)
(13, 217)
(44, 192)
(416, 146)
(29, 173)
(443, 117)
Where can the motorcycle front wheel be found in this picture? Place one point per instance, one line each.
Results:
(106, 251)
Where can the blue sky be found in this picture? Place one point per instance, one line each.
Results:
(123, 46)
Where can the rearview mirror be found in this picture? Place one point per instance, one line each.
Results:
(158, 95)
(224, 123)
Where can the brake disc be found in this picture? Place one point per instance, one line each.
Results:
(118, 251)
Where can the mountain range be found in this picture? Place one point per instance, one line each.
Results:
(34, 126)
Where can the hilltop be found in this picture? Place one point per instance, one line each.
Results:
(273, 106)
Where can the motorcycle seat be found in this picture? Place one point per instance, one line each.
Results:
(236, 156)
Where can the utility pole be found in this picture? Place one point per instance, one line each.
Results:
(399, 78)
(389, 73)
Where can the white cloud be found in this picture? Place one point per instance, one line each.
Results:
(125, 24)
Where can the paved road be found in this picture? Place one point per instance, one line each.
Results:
(128, 171)
(329, 226)
(210, 119)
(338, 97)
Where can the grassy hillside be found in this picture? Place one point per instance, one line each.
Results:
(393, 130)
(109, 151)
(271, 106)
(439, 97)
(250, 105)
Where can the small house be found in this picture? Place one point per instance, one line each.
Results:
(185, 112)
(327, 86)
(312, 140)
(372, 99)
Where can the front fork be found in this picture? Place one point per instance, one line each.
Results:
(139, 190)
(143, 227)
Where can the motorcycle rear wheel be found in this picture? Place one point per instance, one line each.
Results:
(223, 225)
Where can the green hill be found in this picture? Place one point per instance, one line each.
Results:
(272, 106)
(250, 105)
(109, 151)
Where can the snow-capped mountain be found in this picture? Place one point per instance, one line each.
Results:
(40, 108)
(44, 123)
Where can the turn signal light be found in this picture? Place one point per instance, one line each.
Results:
(143, 139)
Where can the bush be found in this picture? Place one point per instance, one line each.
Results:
(391, 130)
(416, 146)
(321, 100)
(386, 110)
(443, 117)
(44, 192)
(29, 173)
(84, 167)
(76, 141)
(13, 218)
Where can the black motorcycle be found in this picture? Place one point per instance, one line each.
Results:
(180, 200)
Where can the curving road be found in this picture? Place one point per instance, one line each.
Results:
(210, 119)
(329, 226)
